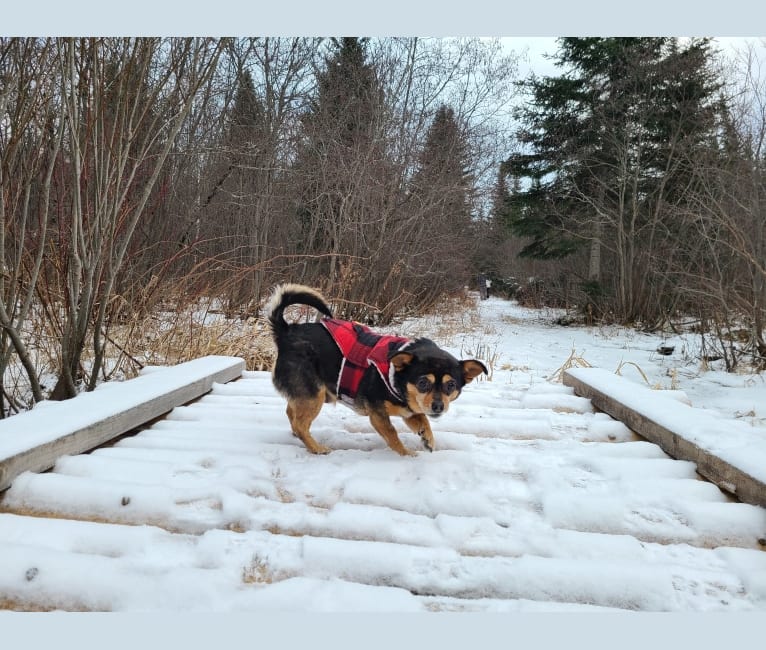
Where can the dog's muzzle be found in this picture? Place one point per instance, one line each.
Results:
(437, 408)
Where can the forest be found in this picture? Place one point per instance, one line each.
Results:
(148, 176)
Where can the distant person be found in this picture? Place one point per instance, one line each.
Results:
(481, 280)
(489, 284)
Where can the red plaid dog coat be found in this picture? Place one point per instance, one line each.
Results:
(362, 348)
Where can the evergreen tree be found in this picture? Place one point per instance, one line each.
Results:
(443, 182)
(241, 140)
(343, 169)
(247, 117)
(347, 103)
(501, 211)
(441, 200)
(233, 202)
(606, 155)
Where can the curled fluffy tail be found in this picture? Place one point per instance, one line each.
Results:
(292, 294)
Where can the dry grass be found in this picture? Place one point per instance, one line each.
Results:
(18, 605)
(182, 334)
(184, 328)
(635, 365)
(484, 351)
(258, 572)
(574, 360)
(174, 337)
(454, 316)
(448, 325)
(672, 373)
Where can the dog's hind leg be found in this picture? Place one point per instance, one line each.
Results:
(301, 412)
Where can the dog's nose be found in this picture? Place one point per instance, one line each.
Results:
(437, 407)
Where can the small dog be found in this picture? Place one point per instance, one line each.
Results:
(378, 376)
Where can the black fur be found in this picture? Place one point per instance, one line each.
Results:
(307, 357)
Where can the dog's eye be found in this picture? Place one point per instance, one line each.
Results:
(450, 386)
(424, 384)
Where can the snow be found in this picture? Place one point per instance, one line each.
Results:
(735, 442)
(531, 501)
(50, 420)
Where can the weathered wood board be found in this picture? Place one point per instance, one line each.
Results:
(719, 447)
(32, 441)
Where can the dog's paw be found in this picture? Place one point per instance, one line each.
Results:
(428, 441)
(319, 449)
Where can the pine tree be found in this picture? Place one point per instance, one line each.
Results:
(606, 155)
(348, 98)
(443, 181)
(246, 123)
(242, 138)
(235, 217)
(345, 175)
(441, 237)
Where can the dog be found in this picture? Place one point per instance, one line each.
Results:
(376, 375)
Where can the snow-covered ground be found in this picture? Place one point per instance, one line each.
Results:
(531, 501)
(528, 341)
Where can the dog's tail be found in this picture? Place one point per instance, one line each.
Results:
(292, 294)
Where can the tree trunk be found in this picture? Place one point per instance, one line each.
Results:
(594, 263)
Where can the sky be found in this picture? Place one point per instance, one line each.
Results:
(537, 47)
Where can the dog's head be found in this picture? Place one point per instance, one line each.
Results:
(430, 378)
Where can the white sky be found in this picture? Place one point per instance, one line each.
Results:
(537, 46)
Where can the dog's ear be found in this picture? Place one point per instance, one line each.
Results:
(472, 368)
(400, 359)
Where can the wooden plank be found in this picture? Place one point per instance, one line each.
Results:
(32, 441)
(722, 449)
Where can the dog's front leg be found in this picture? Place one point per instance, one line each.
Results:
(383, 426)
(419, 424)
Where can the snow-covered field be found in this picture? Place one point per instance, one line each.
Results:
(531, 502)
(528, 341)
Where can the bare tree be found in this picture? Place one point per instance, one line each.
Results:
(30, 140)
(374, 241)
(124, 167)
(124, 102)
(245, 209)
(727, 269)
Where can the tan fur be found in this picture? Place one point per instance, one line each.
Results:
(400, 359)
(382, 424)
(301, 413)
(418, 423)
(471, 369)
(422, 400)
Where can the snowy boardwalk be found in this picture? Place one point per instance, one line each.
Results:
(531, 502)
(34, 440)
(728, 452)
